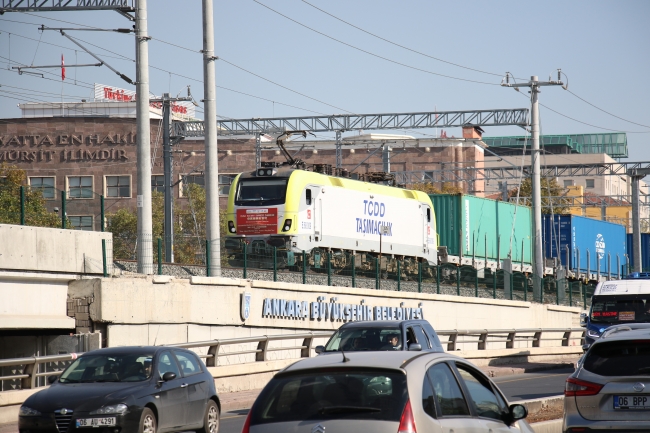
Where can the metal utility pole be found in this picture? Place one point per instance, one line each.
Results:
(636, 175)
(143, 142)
(168, 167)
(538, 256)
(211, 160)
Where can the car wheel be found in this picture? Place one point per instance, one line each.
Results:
(210, 419)
(148, 421)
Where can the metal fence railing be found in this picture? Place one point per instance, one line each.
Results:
(259, 261)
(29, 373)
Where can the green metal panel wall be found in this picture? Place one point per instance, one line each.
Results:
(465, 222)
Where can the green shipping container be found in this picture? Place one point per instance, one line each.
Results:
(464, 222)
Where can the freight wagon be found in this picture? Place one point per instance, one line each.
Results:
(594, 247)
(645, 251)
(474, 227)
(295, 210)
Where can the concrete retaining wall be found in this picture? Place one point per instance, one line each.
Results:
(33, 301)
(163, 310)
(52, 250)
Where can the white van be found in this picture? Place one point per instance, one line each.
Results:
(614, 303)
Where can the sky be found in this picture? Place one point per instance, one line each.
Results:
(288, 58)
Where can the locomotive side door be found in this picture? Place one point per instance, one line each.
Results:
(318, 217)
(426, 219)
(307, 207)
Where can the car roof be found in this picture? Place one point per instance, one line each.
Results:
(387, 360)
(126, 350)
(378, 323)
(622, 333)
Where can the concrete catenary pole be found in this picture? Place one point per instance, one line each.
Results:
(169, 189)
(538, 256)
(636, 175)
(211, 160)
(143, 142)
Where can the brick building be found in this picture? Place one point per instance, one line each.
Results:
(89, 155)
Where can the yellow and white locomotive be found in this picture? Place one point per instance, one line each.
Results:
(297, 210)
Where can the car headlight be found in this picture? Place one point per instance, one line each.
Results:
(28, 411)
(111, 409)
(593, 334)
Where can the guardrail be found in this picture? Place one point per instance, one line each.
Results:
(31, 371)
(509, 336)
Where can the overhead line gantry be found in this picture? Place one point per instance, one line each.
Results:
(340, 123)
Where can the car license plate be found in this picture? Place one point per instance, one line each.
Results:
(632, 402)
(97, 422)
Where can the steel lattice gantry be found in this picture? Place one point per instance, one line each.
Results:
(358, 122)
(453, 174)
(65, 5)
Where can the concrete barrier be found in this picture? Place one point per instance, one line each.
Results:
(144, 310)
(52, 250)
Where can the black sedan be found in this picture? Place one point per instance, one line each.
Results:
(126, 389)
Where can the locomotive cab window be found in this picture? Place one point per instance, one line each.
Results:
(428, 215)
(261, 192)
(308, 196)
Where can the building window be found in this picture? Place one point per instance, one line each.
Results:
(158, 183)
(45, 184)
(82, 222)
(568, 183)
(590, 183)
(196, 179)
(80, 186)
(118, 186)
(225, 180)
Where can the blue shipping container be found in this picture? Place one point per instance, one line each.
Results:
(582, 234)
(645, 251)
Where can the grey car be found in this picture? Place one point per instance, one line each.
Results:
(415, 335)
(405, 392)
(610, 389)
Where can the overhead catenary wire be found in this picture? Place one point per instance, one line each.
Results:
(400, 45)
(376, 36)
(371, 53)
(605, 111)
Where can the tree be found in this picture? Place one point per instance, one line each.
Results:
(553, 198)
(36, 214)
(430, 188)
(189, 227)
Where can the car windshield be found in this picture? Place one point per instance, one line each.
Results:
(619, 358)
(620, 309)
(368, 394)
(271, 190)
(105, 368)
(361, 339)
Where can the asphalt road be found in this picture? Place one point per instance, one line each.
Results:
(518, 387)
(533, 385)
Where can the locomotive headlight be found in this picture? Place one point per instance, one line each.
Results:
(287, 225)
(231, 227)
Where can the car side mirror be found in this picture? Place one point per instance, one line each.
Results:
(583, 320)
(517, 412)
(585, 347)
(52, 379)
(319, 349)
(170, 375)
(415, 347)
